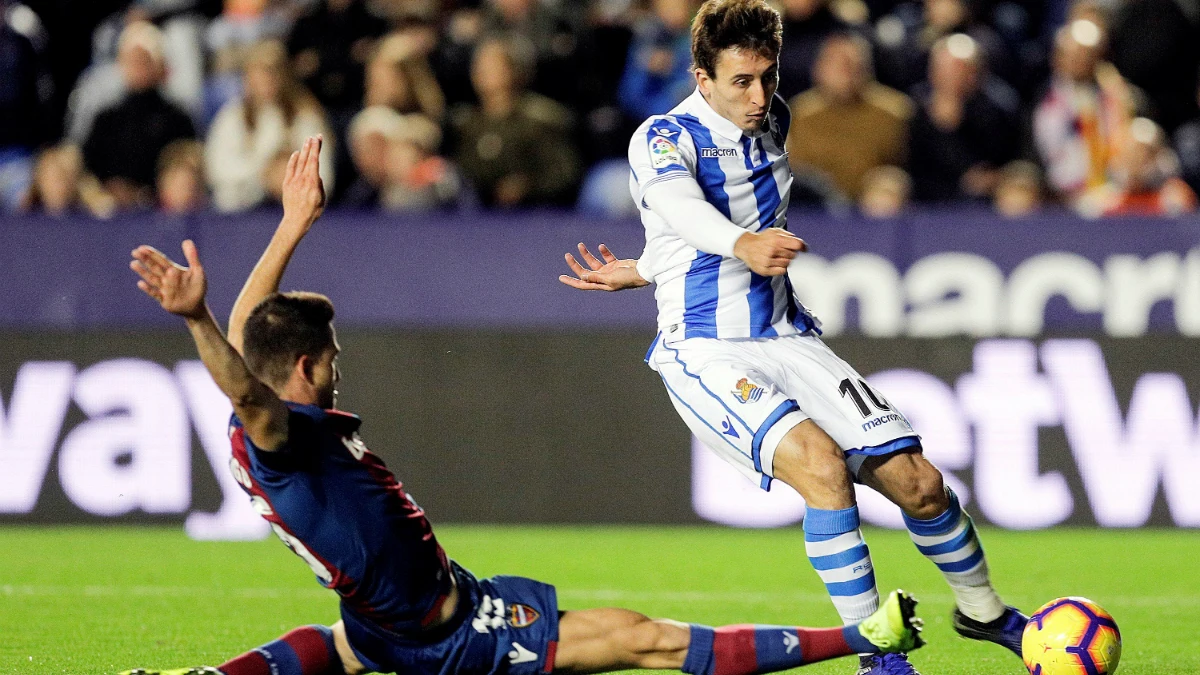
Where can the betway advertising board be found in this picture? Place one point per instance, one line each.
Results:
(508, 426)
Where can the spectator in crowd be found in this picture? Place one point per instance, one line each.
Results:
(330, 46)
(806, 24)
(245, 23)
(410, 12)
(553, 32)
(906, 40)
(1098, 12)
(451, 58)
(399, 77)
(552, 29)
(886, 192)
(1078, 123)
(61, 186)
(370, 133)
(847, 124)
(965, 127)
(1145, 180)
(178, 27)
(275, 114)
(123, 146)
(417, 179)
(21, 121)
(515, 146)
(1187, 147)
(241, 25)
(1153, 44)
(181, 177)
(1019, 191)
(658, 70)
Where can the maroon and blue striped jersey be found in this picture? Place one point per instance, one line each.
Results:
(338, 507)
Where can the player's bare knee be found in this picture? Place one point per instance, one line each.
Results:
(927, 492)
(653, 641)
(810, 452)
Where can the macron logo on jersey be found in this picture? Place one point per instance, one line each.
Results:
(718, 152)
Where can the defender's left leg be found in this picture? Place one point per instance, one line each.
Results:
(946, 535)
(603, 640)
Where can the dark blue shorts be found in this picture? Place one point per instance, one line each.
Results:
(508, 625)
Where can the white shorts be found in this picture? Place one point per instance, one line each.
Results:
(742, 396)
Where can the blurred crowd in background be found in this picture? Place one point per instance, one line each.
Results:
(189, 105)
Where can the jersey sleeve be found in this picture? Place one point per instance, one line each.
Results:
(660, 151)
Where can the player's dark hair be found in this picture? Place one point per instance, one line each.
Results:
(284, 327)
(749, 25)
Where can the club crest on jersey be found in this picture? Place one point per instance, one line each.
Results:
(520, 616)
(718, 152)
(747, 391)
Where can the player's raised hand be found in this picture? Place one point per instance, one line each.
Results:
(769, 252)
(180, 290)
(303, 190)
(610, 275)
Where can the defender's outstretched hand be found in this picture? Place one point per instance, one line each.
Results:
(610, 275)
(303, 190)
(180, 290)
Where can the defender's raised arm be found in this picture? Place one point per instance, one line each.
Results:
(181, 291)
(303, 203)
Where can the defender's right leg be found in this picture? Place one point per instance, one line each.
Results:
(307, 650)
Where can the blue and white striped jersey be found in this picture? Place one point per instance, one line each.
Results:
(747, 179)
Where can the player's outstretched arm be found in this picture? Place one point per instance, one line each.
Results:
(181, 291)
(682, 204)
(610, 275)
(303, 203)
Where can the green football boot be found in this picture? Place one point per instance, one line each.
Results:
(894, 627)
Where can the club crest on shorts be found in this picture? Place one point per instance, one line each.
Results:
(520, 616)
(747, 391)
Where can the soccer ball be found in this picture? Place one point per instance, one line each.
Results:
(1071, 636)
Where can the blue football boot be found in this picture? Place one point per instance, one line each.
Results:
(1005, 631)
(885, 664)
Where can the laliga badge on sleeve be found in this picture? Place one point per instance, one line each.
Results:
(663, 153)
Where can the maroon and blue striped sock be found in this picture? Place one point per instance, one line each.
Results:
(307, 650)
(748, 649)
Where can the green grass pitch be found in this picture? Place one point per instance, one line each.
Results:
(97, 600)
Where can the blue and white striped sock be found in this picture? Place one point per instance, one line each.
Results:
(949, 540)
(836, 549)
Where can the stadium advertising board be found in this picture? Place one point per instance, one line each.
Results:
(523, 427)
(920, 276)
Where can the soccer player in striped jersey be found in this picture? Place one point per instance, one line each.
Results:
(741, 357)
(405, 606)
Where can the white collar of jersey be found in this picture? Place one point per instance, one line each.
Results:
(698, 105)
